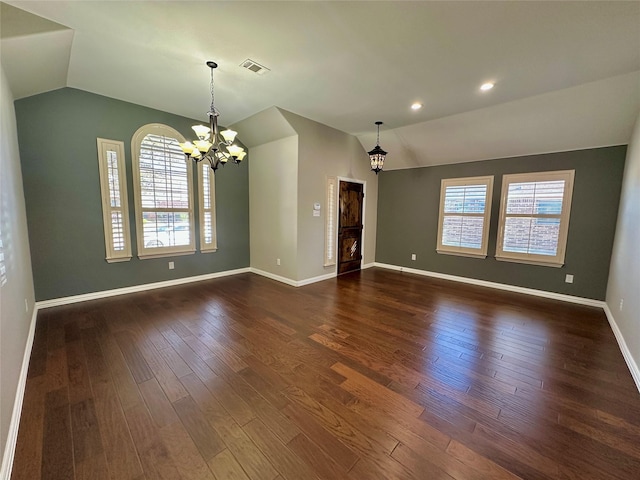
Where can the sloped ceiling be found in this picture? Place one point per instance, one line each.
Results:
(564, 71)
(35, 52)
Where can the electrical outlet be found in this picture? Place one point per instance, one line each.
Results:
(277, 261)
(621, 303)
(568, 278)
(171, 266)
(413, 256)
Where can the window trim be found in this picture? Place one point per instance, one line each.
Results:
(466, 181)
(111, 254)
(213, 246)
(556, 261)
(158, 252)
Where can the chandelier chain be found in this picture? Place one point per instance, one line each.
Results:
(213, 107)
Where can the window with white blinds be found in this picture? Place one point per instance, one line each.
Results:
(207, 195)
(330, 238)
(115, 210)
(163, 190)
(465, 209)
(534, 217)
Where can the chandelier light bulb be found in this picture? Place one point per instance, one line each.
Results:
(229, 136)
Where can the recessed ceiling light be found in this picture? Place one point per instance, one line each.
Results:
(486, 86)
(416, 106)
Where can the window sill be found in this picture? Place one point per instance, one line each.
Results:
(146, 256)
(118, 259)
(209, 250)
(530, 262)
(462, 254)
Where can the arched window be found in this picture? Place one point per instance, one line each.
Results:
(163, 191)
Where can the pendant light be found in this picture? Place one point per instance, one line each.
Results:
(377, 155)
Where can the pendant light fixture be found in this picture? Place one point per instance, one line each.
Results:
(377, 155)
(212, 145)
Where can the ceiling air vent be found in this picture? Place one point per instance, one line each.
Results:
(254, 67)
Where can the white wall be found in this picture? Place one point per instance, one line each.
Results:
(325, 152)
(624, 275)
(273, 206)
(16, 284)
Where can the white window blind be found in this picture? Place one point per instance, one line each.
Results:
(163, 187)
(113, 190)
(534, 217)
(330, 224)
(207, 195)
(465, 208)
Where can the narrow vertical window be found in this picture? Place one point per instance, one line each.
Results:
(115, 211)
(465, 209)
(330, 225)
(207, 195)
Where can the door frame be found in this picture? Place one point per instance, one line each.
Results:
(337, 215)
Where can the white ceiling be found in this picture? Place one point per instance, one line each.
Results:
(567, 73)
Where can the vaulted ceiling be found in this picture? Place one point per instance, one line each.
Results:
(566, 74)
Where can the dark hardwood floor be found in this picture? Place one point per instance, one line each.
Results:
(373, 375)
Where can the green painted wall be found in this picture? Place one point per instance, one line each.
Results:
(57, 134)
(408, 202)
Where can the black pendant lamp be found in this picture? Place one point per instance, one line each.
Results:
(377, 155)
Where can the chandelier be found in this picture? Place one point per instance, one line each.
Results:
(212, 145)
(377, 155)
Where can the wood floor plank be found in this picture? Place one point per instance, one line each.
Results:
(79, 382)
(184, 452)
(480, 464)
(387, 400)
(92, 468)
(322, 464)
(419, 465)
(331, 445)
(122, 376)
(166, 377)
(57, 452)
(87, 441)
(284, 460)
(225, 467)
(28, 454)
(253, 461)
(120, 451)
(159, 406)
(153, 453)
(134, 358)
(206, 439)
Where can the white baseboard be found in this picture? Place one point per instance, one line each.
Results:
(293, 283)
(275, 277)
(54, 302)
(368, 265)
(500, 286)
(626, 353)
(319, 278)
(14, 426)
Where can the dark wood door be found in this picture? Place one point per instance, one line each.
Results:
(350, 227)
